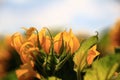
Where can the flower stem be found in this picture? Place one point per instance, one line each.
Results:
(79, 77)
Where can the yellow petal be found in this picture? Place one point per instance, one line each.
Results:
(42, 34)
(46, 44)
(71, 45)
(57, 42)
(33, 39)
(71, 33)
(44, 40)
(24, 51)
(17, 41)
(73, 41)
(21, 72)
(92, 53)
(29, 31)
(76, 43)
(26, 72)
(26, 45)
(66, 39)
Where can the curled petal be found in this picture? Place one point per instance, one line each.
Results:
(92, 53)
(33, 39)
(24, 54)
(26, 45)
(29, 31)
(33, 50)
(26, 72)
(17, 41)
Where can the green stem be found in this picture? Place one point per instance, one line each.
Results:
(58, 66)
(79, 77)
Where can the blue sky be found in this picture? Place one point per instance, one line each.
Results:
(83, 16)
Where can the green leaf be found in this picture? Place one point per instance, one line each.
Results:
(81, 55)
(104, 68)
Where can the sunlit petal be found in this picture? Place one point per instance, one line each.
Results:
(42, 34)
(17, 41)
(58, 42)
(92, 53)
(46, 45)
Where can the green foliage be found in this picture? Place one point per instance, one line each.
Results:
(81, 55)
(104, 43)
(104, 68)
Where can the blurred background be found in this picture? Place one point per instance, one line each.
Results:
(85, 17)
